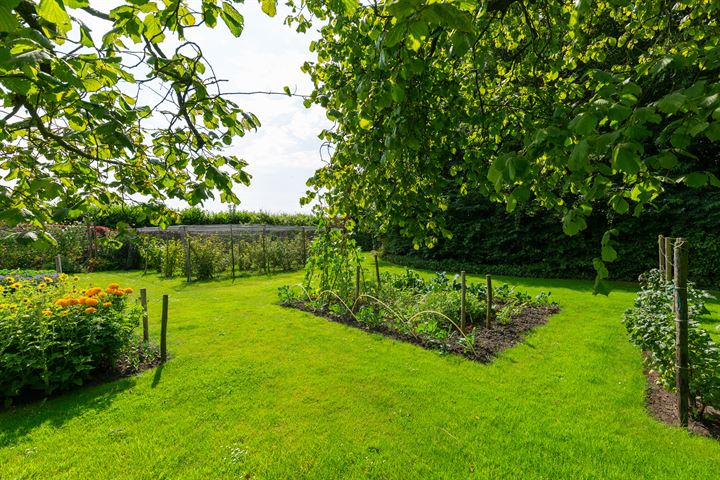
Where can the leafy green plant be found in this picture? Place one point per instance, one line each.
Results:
(651, 325)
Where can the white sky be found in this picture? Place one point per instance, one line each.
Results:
(285, 151)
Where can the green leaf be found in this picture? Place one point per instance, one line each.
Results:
(269, 7)
(54, 12)
(608, 253)
(671, 103)
(619, 204)
(8, 22)
(232, 18)
(625, 159)
(584, 123)
(578, 157)
(696, 180)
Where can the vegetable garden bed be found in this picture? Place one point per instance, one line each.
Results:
(488, 341)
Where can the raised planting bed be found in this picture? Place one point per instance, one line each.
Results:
(427, 313)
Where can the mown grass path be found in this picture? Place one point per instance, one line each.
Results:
(254, 388)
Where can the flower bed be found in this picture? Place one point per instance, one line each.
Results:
(55, 335)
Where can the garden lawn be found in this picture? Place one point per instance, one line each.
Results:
(254, 388)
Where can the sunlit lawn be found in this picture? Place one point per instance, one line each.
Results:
(254, 388)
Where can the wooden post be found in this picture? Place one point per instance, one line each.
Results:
(163, 330)
(668, 259)
(463, 292)
(661, 254)
(681, 330)
(58, 264)
(357, 286)
(377, 272)
(489, 300)
(264, 250)
(188, 261)
(143, 302)
(232, 252)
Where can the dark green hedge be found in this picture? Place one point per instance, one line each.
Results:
(530, 243)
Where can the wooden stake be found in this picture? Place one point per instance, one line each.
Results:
(357, 286)
(661, 254)
(163, 330)
(188, 262)
(143, 302)
(377, 272)
(58, 264)
(668, 259)
(681, 330)
(232, 252)
(489, 300)
(463, 292)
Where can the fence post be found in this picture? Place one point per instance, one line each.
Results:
(681, 330)
(58, 264)
(357, 286)
(377, 271)
(489, 300)
(463, 292)
(188, 262)
(232, 252)
(264, 249)
(143, 302)
(661, 254)
(163, 330)
(668, 259)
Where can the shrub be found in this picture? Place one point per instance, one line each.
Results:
(173, 255)
(208, 257)
(54, 336)
(651, 325)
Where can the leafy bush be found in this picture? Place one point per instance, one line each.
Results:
(173, 259)
(651, 325)
(208, 257)
(54, 335)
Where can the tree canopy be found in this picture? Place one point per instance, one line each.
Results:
(129, 110)
(569, 104)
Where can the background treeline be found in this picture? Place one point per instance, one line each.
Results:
(134, 217)
(530, 243)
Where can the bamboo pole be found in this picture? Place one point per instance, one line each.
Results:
(163, 330)
(681, 330)
(463, 293)
(489, 301)
(143, 303)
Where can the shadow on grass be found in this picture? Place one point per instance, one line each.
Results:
(17, 422)
(157, 376)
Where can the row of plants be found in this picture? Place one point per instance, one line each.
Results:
(81, 247)
(651, 325)
(55, 335)
(409, 307)
(211, 256)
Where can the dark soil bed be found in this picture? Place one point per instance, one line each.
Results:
(663, 406)
(488, 342)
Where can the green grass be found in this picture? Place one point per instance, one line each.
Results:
(256, 388)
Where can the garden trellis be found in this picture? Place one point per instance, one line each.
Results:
(271, 247)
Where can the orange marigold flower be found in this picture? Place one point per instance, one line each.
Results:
(94, 291)
(83, 300)
(92, 302)
(113, 286)
(90, 310)
(73, 301)
(61, 302)
(119, 293)
(129, 290)
(107, 304)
